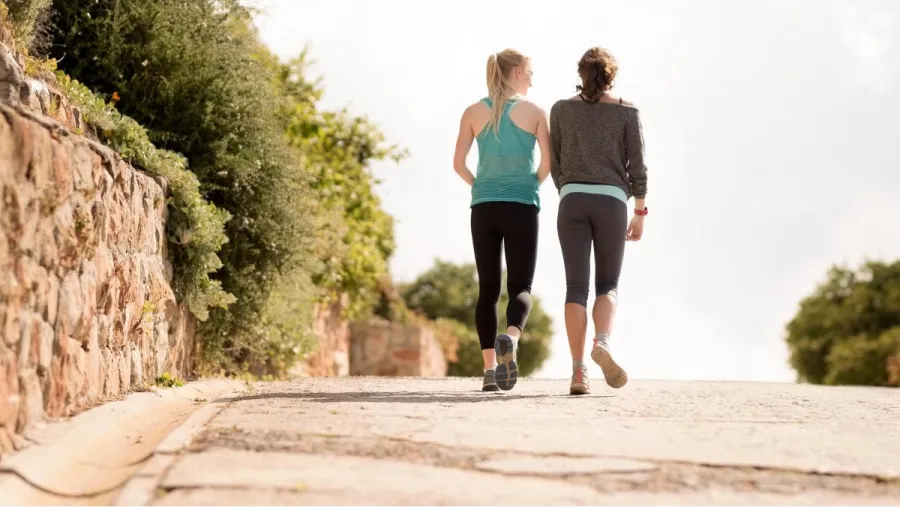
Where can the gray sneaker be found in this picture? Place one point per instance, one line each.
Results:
(615, 375)
(490, 382)
(507, 367)
(580, 383)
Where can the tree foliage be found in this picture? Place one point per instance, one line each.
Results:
(305, 222)
(449, 292)
(357, 234)
(848, 330)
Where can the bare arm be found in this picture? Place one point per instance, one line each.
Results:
(463, 145)
(543, 139)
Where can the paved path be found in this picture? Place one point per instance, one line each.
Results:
(365, 441)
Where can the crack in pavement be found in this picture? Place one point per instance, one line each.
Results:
(669, 476)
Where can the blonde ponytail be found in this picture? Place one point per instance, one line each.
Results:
(499, 65)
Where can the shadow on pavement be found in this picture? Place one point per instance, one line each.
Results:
(401, 397)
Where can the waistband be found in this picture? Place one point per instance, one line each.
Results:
(586, 188)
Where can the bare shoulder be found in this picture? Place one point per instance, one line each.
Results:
(476, 113)
(531, 107)
(477, 107)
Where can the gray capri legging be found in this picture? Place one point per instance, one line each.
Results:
(591, 219)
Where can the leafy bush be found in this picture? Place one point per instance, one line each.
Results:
(449, 292)
(849, 328)
(358, 239)
(195, 227)
(28, 19)
(861, 360)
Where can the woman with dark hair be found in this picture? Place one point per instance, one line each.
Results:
(597, 164)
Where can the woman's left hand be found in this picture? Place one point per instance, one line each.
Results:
(635, 228)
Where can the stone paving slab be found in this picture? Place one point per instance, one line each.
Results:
(364, 481)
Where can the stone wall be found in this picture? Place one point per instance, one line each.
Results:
(380, 348)
(86, 307)
(331, 357)
(18, 90)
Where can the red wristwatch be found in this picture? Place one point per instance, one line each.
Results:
(641, 212)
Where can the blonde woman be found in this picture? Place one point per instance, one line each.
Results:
(504, 205)
(598, 165)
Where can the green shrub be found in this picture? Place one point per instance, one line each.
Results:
(846, 331)
(358, 239)
(862, 360)
(28, 20)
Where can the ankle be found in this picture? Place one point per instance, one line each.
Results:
(601, 339)
(577, 363)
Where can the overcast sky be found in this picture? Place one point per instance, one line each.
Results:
(772, 150)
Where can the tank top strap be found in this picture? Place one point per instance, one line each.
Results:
(506, 107)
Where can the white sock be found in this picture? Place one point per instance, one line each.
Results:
(602, 339)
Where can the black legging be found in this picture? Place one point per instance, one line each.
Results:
(514, 225)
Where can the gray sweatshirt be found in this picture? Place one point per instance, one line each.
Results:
(600, 143)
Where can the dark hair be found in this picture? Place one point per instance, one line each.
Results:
(597, 69)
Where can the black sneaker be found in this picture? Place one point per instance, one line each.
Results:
(507, 368)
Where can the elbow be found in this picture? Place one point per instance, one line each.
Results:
(639, 189)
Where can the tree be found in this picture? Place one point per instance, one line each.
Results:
(848, 330)
(449, 291)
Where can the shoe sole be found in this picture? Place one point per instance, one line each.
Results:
(579, 389)
(507, 371)
(614, 374)
(490, 388)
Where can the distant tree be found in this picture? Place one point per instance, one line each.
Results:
(848, 330)
(449, 291)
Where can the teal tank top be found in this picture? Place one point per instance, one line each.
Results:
(506, 171)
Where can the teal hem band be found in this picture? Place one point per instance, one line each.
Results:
(584, 188)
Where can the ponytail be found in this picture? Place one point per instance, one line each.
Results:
(593, 82)
(499, 66)
(597, 69)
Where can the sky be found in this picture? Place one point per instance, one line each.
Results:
(771, 130)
